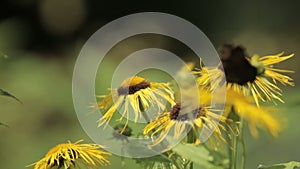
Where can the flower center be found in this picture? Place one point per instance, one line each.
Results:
(132, 85)
(196, 113)
(237, 68)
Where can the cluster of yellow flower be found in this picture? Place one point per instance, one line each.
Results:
(73, 155)
(249, 81)
(244, 91)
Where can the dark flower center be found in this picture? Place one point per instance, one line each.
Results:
(196, 113)
(133, 88)
(237, 68)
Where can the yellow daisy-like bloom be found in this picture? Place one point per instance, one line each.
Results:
(261, 85)
(245, 108)
(179, 120)
(72, 156)
(138, 94)
(254, 76)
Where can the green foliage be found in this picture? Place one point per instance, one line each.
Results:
(220, 159)
(289, 165)
(197, 154)
(167, 160)
(2, 124)
(5, 93)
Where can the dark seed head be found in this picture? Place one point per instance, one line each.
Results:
(201, 112)
(236, 66)
(175, 113)
(131, 89)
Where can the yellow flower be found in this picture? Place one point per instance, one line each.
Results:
(135, 94)
(254, 76)
(73, 155)
(193, 112)
(241, 94)
(179, 120)
(245, 108)
(261, 85)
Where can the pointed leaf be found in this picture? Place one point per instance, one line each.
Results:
(289, 165)
(5, 93)
(2, 124)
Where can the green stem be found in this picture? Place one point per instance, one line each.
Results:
(191, 138)
(235, 150)
(229, 142)
(123, 164)
(142, 109)
(191, 165)
(243, 144)
(236, 141)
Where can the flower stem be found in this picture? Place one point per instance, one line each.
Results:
(236, 140)
(142, 109)
(243, 144)
(191, 138)
(123, 164)
(230, 150)
(191, 165)
(235, 150)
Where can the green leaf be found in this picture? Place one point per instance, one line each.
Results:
(5, 93)
(289, 165)
(2, 124)
(166, 160)
(197, 154)
(219, 158)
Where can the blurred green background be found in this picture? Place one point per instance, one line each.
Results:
(43, 38)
